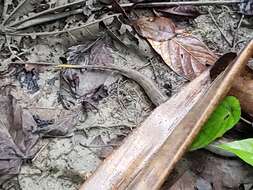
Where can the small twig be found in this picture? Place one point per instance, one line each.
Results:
(63, 31)
(99, 146)
(154, 70)
(246, 121)
(236, 32)
(9, 47)
(144, 66)
(114, 36)
(50, 11)
(110, 126)
(33, 63)
(46, 18)
(216, 24)
(168, 4)
(14, 11)
(122, 105)
(5, 8)
(39, 152)
(46, 108)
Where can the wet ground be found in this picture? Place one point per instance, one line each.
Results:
(65, 162)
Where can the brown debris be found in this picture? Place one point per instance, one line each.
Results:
(155, 28)
(185, 54)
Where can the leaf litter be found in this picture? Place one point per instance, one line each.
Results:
(121, 102)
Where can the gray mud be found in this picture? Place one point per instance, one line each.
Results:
(63, 163)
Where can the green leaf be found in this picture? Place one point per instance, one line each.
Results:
(243, 149)
(225, 116)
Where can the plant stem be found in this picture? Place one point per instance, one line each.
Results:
(168, 4)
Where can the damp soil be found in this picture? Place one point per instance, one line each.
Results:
(65, 162)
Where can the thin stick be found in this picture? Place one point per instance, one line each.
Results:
(111, 126)
(216, 24)
(99, 146)
(47, 18)
(14, 11)
(9, 47)
(46, 108)
(236, 32)
(39, 152)
(246, 121)
(50, 11)
(63, 31)
(168, 4)
(33, 63)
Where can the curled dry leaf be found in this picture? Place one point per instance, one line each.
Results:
(243, 89)
(188, 11)
(155, 28)
(186, 55)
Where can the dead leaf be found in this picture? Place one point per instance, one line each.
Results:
(243, 89)
(185, 54)
(86, 84)
(221, 64)
(187, 11)
(16, 138)
(100, 53)
(155, 28)
(92, 53)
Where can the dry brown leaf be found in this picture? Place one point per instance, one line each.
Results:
(155, 28)
(243, 89)
(185, 54)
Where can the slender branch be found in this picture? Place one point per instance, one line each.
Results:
(246, 121)
(33, 63)
(10, 49)
(216, 24)
(235, 39)
(63, 31)
(167, 4)
(13, 12)
(47, 18)
(99, 146)
(39, 151)
(50, 11)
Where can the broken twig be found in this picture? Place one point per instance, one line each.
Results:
(99, 146)
(236, 32)
(216, 24)
(64, 31)
(46, 18)
(14, 11)
(49, 11)
(168, 4)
